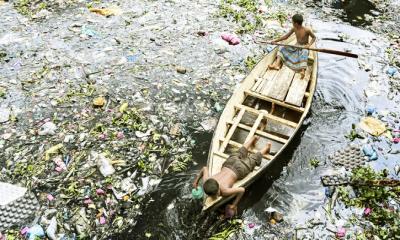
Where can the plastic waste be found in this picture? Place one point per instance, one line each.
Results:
(372, 126)
(230, 38)
(197, 193)
(51, 230)
(4, 114)
(370, 110)
(132, 58)
(367, 211)
(391, 71)
(396, 140)
(99, 101)
(370, 152)
(48, 128)
(50, 197)
(53, 150)
(34, 232)
(104, 165)
(106, 11)
(341, 232)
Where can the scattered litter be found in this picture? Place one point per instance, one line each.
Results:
(349, 157)
(209, 124)
(51, 230)
(4, 114)
(99, 101)
(197, 193)
(372, 126)
(370, 152)
(230, 38)
(391, 71)
(273, 215)
(367, 211)
(341, 232)
(53, 150)
(36, 231)
(104, 164)
(106, 11)
(181, 69)
(48, 128)
(132, 58)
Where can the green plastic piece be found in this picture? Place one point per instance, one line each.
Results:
(197, 193)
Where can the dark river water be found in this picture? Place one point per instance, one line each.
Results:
(345, 88)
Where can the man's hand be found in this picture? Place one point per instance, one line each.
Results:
(307, 45)
(195, 184)
(233, 208)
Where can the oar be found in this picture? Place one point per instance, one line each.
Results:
(324, 50)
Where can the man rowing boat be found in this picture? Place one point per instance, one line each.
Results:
(236, 167)
(295, 58)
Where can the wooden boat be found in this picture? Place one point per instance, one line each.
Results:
(287, 99)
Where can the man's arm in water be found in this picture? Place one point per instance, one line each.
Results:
(284, 37)
(202, 174)
(238, 191)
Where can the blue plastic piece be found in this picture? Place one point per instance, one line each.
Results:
(35, 231)
(391, 71)
(370, 110)
(370, 152)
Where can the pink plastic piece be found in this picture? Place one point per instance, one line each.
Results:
(102, 220)
(367, 211)
(341, 232)
(102, 136)
(100, 191)
(251, 225)
(120, 135)
(87, 201)
(50, 197)
(24, 230)
(396, 140)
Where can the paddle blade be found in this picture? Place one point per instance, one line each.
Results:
(347, 54)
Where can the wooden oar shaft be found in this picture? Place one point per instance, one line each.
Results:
(330, 51)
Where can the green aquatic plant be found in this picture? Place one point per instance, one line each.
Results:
(375, 192)
(250, 62)
(314, 162)
(228, 229)
(243, 12)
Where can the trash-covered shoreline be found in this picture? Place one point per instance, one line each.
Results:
(99, 101)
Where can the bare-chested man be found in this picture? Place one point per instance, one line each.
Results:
(236, 167)
(295, 58)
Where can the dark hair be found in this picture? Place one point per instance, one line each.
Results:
(297, 18)
(211, 187)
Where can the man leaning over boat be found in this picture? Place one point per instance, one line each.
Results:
(236, 167)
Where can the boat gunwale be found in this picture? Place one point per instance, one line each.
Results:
(312, 88)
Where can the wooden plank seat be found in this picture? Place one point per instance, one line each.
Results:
(298, 88)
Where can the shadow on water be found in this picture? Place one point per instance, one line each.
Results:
(355, 11)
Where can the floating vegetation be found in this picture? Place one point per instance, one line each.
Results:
(379, 198)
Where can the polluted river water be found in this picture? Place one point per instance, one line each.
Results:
(133, 57)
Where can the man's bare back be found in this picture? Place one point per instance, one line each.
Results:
(302, 34)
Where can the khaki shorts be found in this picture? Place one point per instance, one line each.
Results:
(242, 163)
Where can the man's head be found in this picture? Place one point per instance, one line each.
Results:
(211, 187)
(297, 20)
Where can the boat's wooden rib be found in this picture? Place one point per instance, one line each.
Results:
(232, 130)
(261, 133)
(255, 126)
(265, 98)
(269, 116)
(286, 100)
